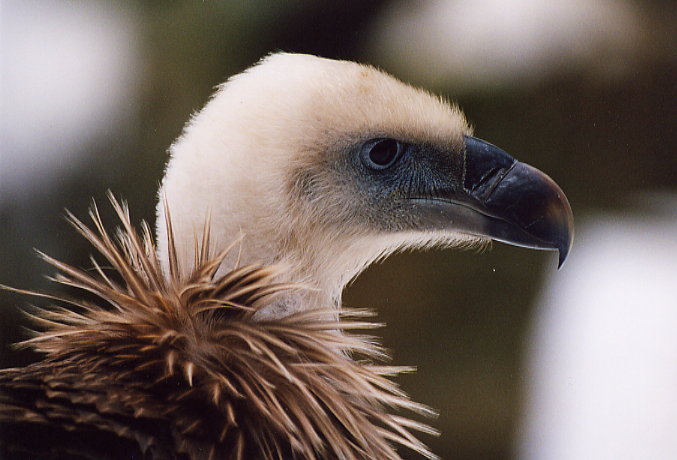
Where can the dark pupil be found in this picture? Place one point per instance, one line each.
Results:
(383, 152)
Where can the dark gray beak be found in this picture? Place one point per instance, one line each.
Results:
(524, 206)
(506, 200)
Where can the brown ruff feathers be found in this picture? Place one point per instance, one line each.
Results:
(178, 368)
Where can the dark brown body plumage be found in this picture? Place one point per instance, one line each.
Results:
(179, 368)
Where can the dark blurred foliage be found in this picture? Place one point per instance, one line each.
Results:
(460, 316)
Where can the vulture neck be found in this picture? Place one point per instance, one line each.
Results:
(324, 266)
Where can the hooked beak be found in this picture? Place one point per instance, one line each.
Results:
(505, 200)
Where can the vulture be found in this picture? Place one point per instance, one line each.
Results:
(223, 337)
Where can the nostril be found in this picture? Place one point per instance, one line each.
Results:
(485, 166)
(491, 174)
(487, 183)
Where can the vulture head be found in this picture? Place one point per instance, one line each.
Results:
(324, 166)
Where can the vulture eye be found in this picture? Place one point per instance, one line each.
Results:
(381, 153)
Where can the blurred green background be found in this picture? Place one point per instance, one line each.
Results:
(590, 101)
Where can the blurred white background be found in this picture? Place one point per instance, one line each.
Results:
(603, 355)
